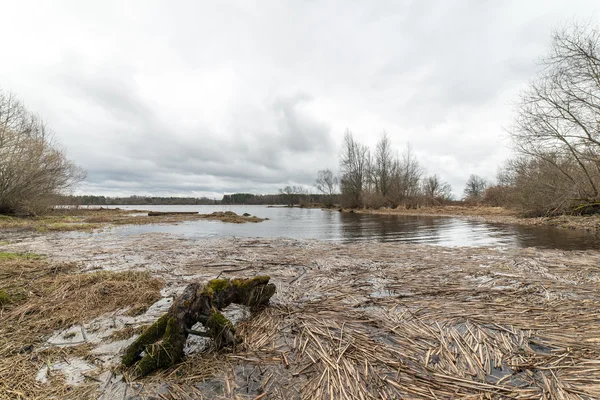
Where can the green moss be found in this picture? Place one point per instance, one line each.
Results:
(169, 352)
(217, 321)
(4, 298)
(245, 284)
(251, 292)
(11, 296)
(151, 335)
(220, 329)
(215, 286)
(254, 292)
(163, 342)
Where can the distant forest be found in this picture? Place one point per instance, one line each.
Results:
(133, 200)
(229, 199)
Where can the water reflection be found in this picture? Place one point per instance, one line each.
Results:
(347, 227)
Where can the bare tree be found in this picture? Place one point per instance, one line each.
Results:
(436, 190)
(475, 187)
(407, 177)
(538, 186)
(33, 170)
(559, 114)
(354, 166)
(327, 183)
(384, 166)
(291, 194)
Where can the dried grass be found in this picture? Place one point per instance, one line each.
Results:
(55, 297)
(128, 332)
(352, 323)
(379, 321)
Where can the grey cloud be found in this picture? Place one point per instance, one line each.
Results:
(299, 132)
(233, 96)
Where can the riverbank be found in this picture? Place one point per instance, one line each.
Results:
(88, 219)
(362, 320)
(500, 215)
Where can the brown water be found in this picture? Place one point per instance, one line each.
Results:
(298, 223)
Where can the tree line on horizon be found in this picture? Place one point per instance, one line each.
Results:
(555, 135)
(289, 198)
(134, 200)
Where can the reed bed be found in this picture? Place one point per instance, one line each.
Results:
(382, 321)
(379, 321)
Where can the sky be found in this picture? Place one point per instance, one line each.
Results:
(202, 98)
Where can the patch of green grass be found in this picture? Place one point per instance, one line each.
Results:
(4, 298)
(14, 295)
(4, 243)
(19, 256)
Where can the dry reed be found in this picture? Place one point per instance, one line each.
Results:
(374, 321)
(54, 296)
(383, 321)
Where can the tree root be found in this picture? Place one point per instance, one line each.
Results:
(163, 342)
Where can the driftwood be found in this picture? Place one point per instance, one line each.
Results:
(163, 342)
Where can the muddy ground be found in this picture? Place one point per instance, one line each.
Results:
(363, 320)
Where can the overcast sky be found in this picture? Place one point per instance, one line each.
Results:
(201, 98)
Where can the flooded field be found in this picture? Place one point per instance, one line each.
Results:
(349, 320)
(299, 223)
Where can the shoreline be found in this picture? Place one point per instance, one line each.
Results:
(496, 215)
(423, 319)
(88, 219)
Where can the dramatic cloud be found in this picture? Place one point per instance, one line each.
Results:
(202, 98)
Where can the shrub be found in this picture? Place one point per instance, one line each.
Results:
(33, 169)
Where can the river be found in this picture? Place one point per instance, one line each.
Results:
(301, 223)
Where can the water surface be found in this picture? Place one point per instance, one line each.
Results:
(300, 223)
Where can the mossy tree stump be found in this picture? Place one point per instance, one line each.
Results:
(163, 342)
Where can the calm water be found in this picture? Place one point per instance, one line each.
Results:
(301, 223)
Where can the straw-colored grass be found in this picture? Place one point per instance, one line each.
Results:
(52, 297)
(377, 321)
(365, 321)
